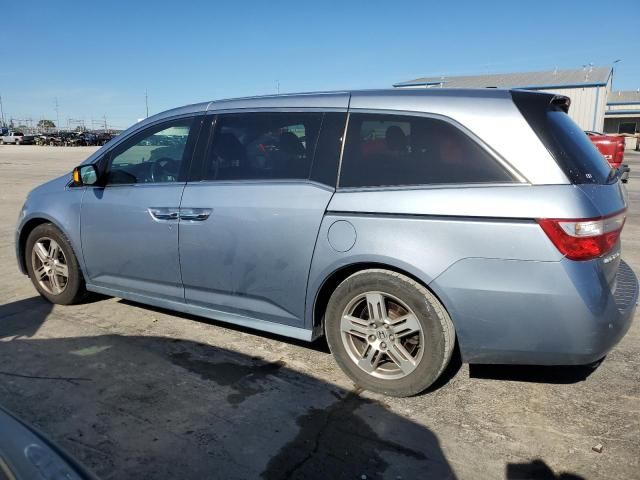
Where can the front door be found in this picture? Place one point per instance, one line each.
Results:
(267, 179)
(130, 224)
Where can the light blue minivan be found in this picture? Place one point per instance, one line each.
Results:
(394, 222)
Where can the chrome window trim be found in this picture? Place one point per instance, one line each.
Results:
(429, 186)
(257, 181)
(277, 110)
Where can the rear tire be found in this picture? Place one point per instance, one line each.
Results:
(53, 267)
(403, 346)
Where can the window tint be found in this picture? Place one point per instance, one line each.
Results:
(574, 153)
(387, 150)
(249, 146)
(154, 156)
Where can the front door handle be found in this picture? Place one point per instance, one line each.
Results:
(163, 213)
(195, 214)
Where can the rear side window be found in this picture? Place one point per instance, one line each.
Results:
(270, 145)
(398, 150)
(576, 155)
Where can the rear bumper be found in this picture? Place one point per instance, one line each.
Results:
(539, 313)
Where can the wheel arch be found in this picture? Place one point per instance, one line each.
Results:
(337, 276)
(26, 229)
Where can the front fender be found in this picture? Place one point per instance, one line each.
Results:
(59, 206)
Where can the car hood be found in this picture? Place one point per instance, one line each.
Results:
(57, 184)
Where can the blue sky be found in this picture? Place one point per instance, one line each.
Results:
(98, 58)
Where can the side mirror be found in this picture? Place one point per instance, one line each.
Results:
(85, 175)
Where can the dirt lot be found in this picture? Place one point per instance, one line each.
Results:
(134, 392)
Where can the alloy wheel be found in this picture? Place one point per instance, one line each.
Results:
(382, 335)
(50, 266)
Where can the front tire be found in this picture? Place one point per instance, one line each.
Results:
(388, 333)
(53, 267)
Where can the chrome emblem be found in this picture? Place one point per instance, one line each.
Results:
(610, 258)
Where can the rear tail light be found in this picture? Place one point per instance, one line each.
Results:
(585, 238)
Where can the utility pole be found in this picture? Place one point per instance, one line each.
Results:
(57, 115)
(2, 113)
(146, 101)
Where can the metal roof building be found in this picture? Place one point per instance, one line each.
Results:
(588, 87)
(623, 112)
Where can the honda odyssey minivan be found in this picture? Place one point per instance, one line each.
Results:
(394, 222)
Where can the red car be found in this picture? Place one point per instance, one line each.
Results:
(610, 146)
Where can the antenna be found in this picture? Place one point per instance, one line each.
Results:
(146, 101)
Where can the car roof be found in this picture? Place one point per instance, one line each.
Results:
(340, 98)
(407, 99)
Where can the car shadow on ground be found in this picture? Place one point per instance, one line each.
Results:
(23, 317)
(157, 407)
(538, 470)
(154, 407)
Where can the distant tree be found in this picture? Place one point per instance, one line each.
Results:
(21, 127)
(45, 124)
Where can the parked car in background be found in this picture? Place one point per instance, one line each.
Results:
(393, 222)
(103, 137)
(611, 146)
(16, 138)
(68, 138)
(612, 149)
(51, 139)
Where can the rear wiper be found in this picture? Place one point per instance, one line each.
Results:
(614, 174)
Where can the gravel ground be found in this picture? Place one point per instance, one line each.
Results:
(137, 392)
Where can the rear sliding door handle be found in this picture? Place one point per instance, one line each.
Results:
(195, 214)
(164, 213)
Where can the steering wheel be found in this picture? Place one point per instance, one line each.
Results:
(164, 170)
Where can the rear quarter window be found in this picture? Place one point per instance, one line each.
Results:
(401, 150)
(571, 148)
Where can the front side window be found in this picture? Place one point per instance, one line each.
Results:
(399, 150)
(250, 146)
(155, 155)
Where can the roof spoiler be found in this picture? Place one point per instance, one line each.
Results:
(561, 102)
